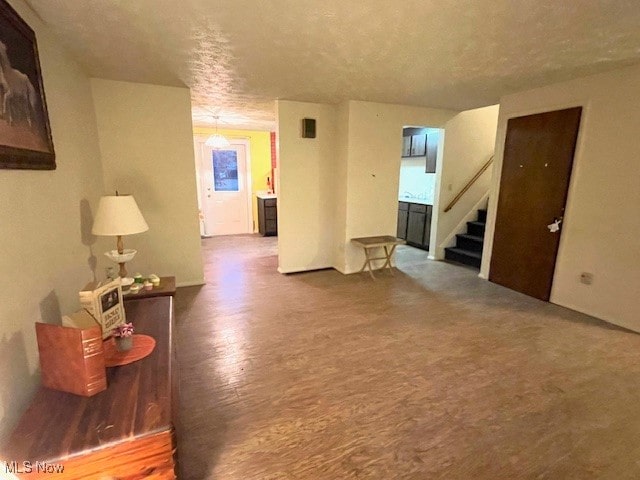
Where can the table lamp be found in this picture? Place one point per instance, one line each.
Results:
(119, 215)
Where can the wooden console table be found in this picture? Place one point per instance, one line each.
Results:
(125, 432)
(166, 288)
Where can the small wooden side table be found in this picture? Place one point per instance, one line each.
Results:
(386, 242)
(166, 288)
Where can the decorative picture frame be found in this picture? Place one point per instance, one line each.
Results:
(25, 133)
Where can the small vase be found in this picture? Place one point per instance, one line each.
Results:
(124, 344)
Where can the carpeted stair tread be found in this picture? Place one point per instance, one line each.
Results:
(461, 251)
(468, 249)
(473, 238)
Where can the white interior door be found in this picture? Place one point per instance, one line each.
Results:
(225, 190)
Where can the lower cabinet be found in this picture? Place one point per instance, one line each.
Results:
(415, 228)
(403, 219)
(267, 216)
(414, 224)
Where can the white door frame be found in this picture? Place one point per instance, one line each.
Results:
(201, 157)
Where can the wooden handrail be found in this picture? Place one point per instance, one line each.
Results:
(468, 185)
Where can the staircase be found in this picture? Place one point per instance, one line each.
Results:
(468, 249)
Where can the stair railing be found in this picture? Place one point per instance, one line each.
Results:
(469, 184)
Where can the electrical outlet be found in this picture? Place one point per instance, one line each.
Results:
(586, 278)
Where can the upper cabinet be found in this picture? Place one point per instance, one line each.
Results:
(406, 146)
(432, 152)
(418, 145)
(416, 142)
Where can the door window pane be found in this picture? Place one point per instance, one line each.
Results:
(225, 170)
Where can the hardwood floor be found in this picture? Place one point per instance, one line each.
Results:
(430, 374)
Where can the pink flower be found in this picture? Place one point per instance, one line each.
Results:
(123, 330)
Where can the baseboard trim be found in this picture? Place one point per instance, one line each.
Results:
(311, 268)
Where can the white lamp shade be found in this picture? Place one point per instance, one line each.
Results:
(118, 215)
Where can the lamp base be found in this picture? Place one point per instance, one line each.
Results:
(126, 255)
(121, 258)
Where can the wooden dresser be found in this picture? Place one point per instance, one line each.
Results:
(125, 432)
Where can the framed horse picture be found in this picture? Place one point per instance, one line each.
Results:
(25, 134)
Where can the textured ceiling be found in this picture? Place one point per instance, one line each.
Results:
(238, 56)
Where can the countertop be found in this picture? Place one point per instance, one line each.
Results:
(420, 201)
(266, 195)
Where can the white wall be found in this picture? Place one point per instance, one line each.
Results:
(46, 217)
(146, 142)
(339, 222)
(601, 223)
(307, 183)
(342, 184)
(414, 180)
(373, 169)
(469, 142)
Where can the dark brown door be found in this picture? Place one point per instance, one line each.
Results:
(538, 156)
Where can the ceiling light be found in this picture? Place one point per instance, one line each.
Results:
(217, 141)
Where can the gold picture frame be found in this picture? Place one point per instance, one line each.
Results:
(25, 133)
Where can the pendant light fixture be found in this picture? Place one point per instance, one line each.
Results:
(217, 141)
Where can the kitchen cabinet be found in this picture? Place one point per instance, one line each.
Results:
(267, 216)
(403, 218)
(414, 142)
(406, 146)
(431, 152)
(418, 145)
(427, 227)
(414, 224)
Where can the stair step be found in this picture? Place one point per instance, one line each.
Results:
(476, 228)
(466, 257)
(482, 215)
(469, 242)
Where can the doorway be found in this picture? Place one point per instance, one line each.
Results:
(225, 189)
(417, 183)
(536, 170)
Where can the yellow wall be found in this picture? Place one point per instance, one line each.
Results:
(260, 148)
